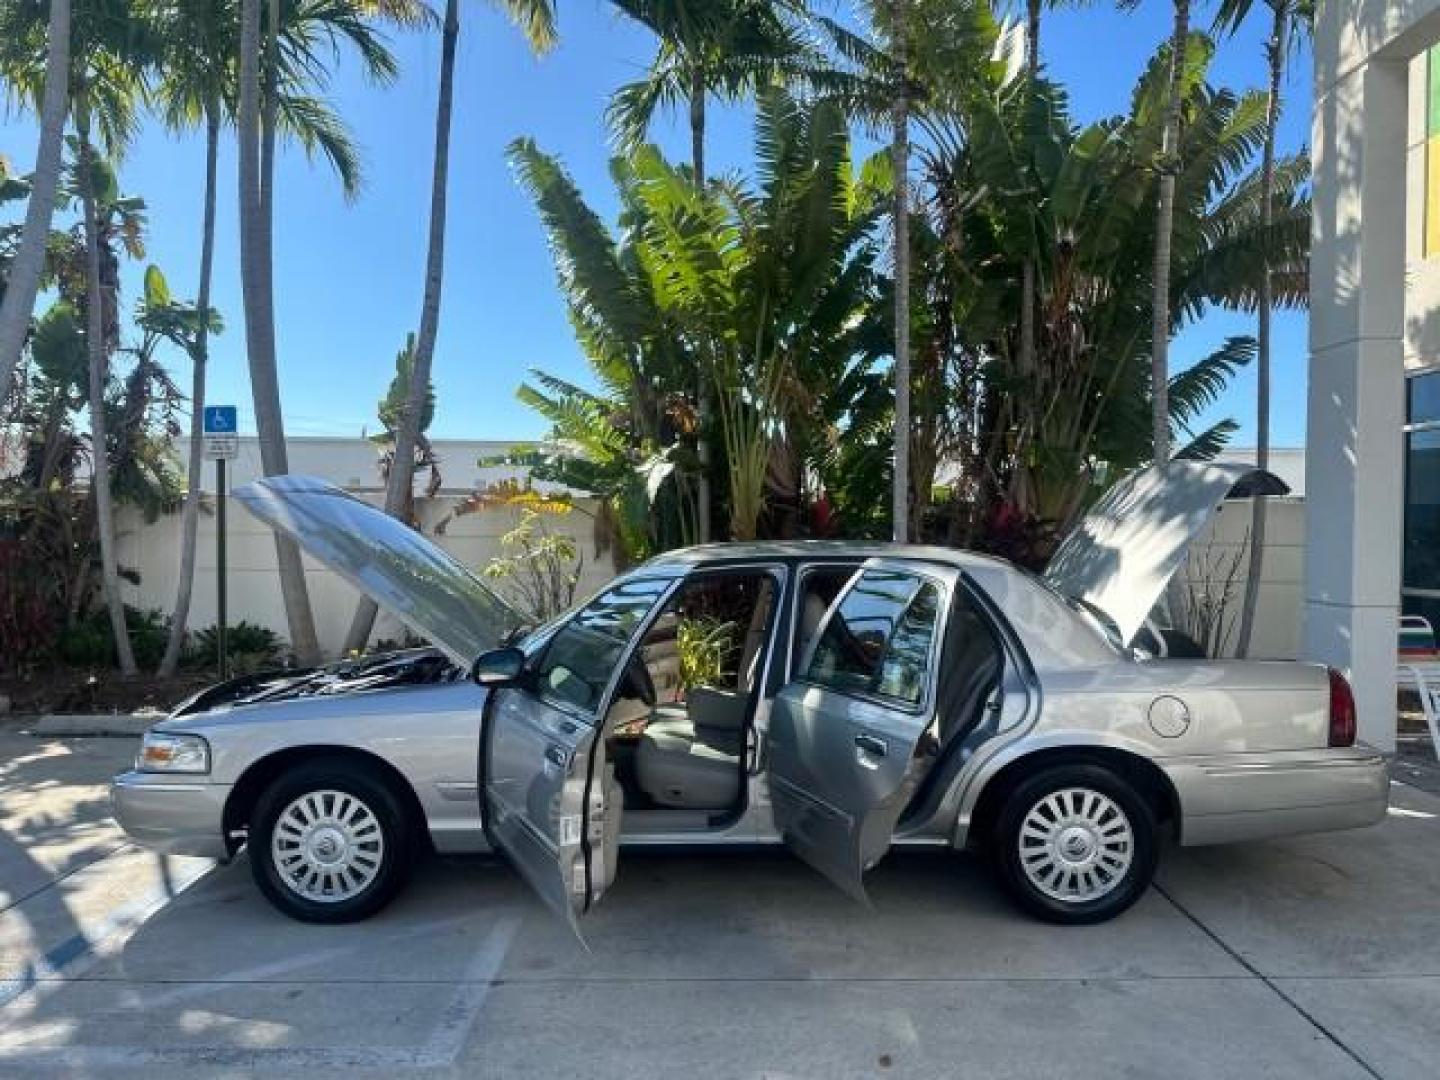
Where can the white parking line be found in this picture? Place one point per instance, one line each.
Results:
(450, 1033)
(273, 971)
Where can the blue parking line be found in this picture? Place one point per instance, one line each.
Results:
(56, 960)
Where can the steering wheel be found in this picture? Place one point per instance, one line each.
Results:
(637, 683)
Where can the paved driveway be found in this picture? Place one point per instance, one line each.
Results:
(1309, 958)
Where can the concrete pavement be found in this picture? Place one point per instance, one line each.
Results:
(1309, 958)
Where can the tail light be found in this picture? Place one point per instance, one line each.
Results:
(1342, 711)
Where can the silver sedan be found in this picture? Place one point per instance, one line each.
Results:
(835, 698)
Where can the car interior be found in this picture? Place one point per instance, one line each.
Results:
(678, 725)
(678, 721)
(967, 711)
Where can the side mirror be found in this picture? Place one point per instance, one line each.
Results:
(498, 667)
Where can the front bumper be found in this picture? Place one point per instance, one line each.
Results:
(174, 814)
(1232, 797)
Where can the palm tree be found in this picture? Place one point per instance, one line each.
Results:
(260, 326)
(766, 288)
(296, 37)
(726, 48)
(1028, 285)
(1287, 17)
(25, 269)
(197, 87)
(100, 342)
(536, 18)
(900, 150)
(195, 84)
(1080, 201)
(111, 53)
(1168, 165)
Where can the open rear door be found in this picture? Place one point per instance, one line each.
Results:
(842, 737)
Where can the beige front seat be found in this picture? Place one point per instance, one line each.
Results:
(689, 758)
(687, 767)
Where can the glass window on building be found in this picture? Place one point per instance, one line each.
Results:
(1432, 151)
(1420, 592)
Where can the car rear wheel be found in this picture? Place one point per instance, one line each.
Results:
(1075, 844)
(329, 843)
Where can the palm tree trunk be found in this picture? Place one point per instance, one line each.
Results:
(1032, 36)
(99, 350)
(29, 262)
(900, 150)
(1164, 227)
(697, 124)
(399, 487)
(257, 291)
(1026, 359)
(1275, 53)
(269, 109)
(703, 403)
(189, 524)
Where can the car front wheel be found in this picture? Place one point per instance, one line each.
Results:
(1075, 844)
(329, 843)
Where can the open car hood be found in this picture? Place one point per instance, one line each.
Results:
(397, 567)
(1122, 555)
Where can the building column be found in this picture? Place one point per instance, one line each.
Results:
(1353, 457)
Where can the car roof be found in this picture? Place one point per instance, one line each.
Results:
(800, 550)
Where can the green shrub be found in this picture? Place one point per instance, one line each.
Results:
(89, 643)
(250, 647)
(408, 640)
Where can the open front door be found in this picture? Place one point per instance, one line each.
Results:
(842, 737)
(538, 793)
(551, 802)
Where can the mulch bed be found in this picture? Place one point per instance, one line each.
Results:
(82, 690)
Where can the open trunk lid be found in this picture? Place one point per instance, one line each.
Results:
(1123, 553)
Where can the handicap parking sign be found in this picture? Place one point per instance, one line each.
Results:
(218, 425)
(219, 419)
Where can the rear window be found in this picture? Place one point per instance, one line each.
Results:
(1054, 634)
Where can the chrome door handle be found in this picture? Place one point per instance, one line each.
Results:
(557, 755)
(872, 745)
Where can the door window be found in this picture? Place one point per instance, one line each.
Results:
(581, 658)
(879, 640)
(818, 588)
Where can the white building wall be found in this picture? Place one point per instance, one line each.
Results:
(1422, 275)
(1276, 634)
(152, 549)
(1366, 324)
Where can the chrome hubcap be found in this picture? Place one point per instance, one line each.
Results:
(327, 846)
(1076, 845)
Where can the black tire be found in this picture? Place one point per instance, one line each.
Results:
(1121, 889)
(393, 852)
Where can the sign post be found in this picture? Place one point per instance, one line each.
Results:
(222, 442)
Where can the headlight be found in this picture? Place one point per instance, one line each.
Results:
(162, 752)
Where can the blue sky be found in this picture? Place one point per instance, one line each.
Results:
(348, 275)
